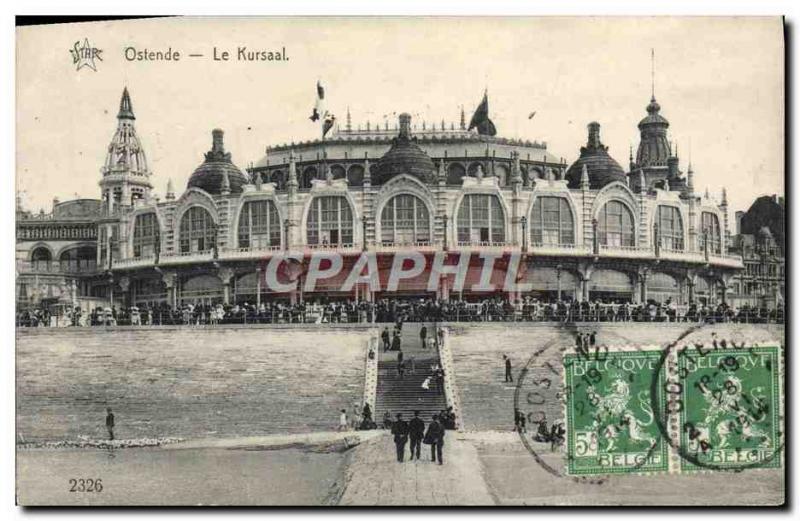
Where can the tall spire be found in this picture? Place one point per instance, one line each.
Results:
(463, 124)
(125, 107)
(652, 74)
(348, 125)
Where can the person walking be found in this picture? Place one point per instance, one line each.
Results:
(435, 438)
(423, 333)
(509, 378)
(416, 431)
(385, 338)
(400, 433)
(396, 341)
(110, 423)
(412, 367)
(343, 420)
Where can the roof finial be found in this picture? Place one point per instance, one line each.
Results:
(652, 74)
(463, 119)
(348, 126)
(170, 190)
(125, 106)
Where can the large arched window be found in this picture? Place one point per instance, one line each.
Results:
(197, 231)
(259, 225)
(405, 220)
(481, 220)
(145, 234)
(670, 228)
(552, 221)
(615, 225)
(711, 232)
(330, 221)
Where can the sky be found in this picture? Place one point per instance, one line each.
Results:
(719, 81)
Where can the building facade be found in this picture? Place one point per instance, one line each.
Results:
(588, 230)
(761, 241)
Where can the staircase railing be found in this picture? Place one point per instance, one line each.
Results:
(446, 362)
(371, 373)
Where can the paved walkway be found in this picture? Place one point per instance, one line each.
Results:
(278, 441)
(374, 477)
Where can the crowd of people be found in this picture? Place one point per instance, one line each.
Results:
(495, 309)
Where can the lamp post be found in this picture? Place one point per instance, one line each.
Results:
(444, 222)
(286, 234)
(364, 232)
(524, 222)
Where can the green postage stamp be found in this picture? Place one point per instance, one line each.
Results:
(731, 408)
(714, 409)
(611, 425)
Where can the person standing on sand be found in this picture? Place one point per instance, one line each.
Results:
(110, 423)
(509, 378)
(343, 420)
(423, 332)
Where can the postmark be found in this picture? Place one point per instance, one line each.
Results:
(610, 423)
(724, 406)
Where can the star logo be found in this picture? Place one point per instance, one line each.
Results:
(84, 56)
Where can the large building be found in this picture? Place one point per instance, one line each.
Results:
(761, 241)
(588, 230)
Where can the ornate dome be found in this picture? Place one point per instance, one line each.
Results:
(654, 149)
(601, 167)
(217, 170)
(404, 157)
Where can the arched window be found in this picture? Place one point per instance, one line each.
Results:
(615, 225)
(455, 173)
(670, 228)
(501, 171)
(197, 231)
(404, 220)
(355, 175)
(145, 234)
(259, 225)
(481, 220)
(711, 232)
(309, 174)
(330, 221)
(552, 221)
(41, 254)
(337, 172)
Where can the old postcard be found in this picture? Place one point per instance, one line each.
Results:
(332, 261)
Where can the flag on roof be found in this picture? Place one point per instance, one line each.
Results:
(317, 111)
(480, 119)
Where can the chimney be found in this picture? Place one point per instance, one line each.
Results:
(217, 141)
(405, 125)
(594, 135)
(672, 167)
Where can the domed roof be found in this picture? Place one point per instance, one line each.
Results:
(653, 116)
(211, 175)
(601, 167)
(404, 157)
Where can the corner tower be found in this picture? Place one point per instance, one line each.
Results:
(126, 176)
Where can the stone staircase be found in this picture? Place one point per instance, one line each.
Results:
(406, 395)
